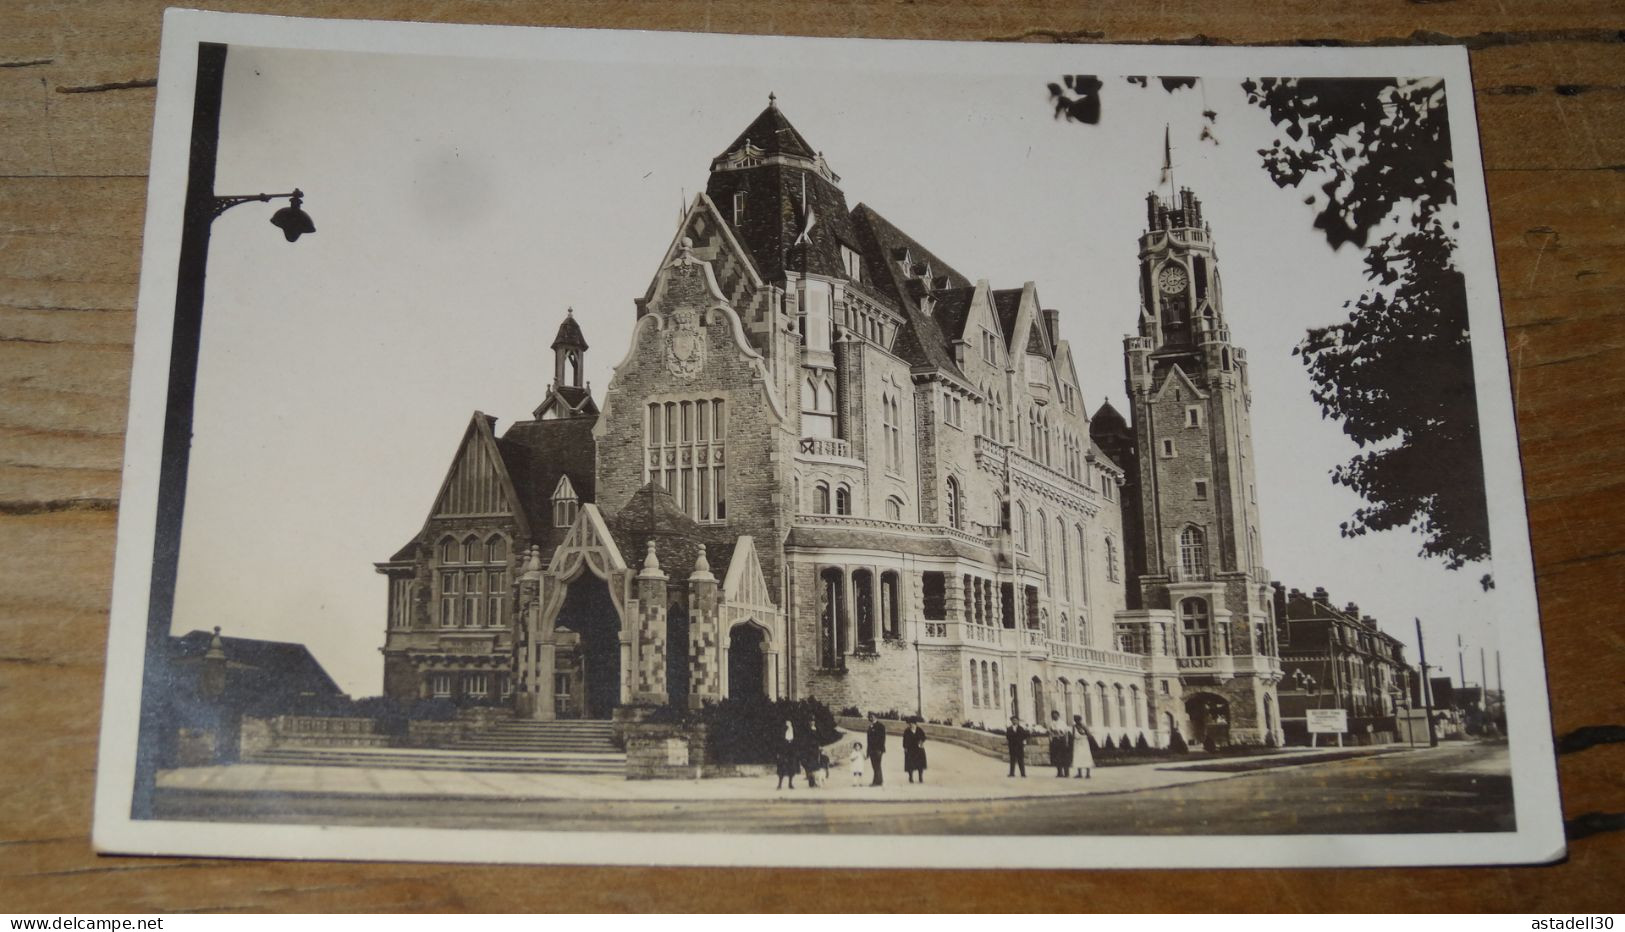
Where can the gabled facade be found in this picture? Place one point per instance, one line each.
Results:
(892, 466)
(451, 618)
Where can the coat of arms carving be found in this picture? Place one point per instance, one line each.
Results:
(685, 344)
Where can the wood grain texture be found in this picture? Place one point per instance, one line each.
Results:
(1550, 87)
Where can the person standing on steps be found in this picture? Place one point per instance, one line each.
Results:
(877, 747)
(1015, 738)
(914, 750)
(1083, 758)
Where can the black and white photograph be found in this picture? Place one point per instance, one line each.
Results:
(581, 446)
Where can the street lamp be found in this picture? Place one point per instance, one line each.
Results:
(201, 207)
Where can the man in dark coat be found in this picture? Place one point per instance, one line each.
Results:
(877, 747)
(1015, 738)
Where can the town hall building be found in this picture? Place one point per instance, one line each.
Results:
(831, 465)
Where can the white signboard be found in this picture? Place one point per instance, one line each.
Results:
(1327, 721)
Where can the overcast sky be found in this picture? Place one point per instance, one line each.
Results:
(461, 205)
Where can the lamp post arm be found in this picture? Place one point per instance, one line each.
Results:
(221, 204)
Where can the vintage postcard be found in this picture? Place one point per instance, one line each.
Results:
(584, 446)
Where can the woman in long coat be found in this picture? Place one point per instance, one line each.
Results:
(914, 750)
(1060, 744)
(787, 757)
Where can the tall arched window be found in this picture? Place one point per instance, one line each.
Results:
(1066, 560)
(1139, 712)
(952, 505)
(1021, 527)
(1195, 625)
(818, 406)
(1083, 565)
(1043, 547)
(997, 695)
(1122, 707)
(843, 500)
(1105, 710)
(891, 426)
(891, 621)
(1193, 551)
(1111, 560)
(448, 551)
(894, 509)
(975, 687)
(1088, 706)
(1066, 630)
(821, 499)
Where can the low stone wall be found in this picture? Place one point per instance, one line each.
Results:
(666, 751)
(309, 731)
(982, 742)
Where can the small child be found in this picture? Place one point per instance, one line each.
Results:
(855, 761)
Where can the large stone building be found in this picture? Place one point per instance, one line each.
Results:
(831, 465)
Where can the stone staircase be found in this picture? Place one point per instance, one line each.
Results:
(521, 746)
(583, 736)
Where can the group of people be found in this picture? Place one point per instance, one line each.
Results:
(1069, 749)
(798, 753)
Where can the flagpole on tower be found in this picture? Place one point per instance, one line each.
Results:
(1168, 163)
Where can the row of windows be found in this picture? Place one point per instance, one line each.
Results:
(1024, 541)
(473, 598)
(684, 453)
(469, 685)
(878, 613)
(473, 550)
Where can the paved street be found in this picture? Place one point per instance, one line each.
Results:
(1455, 787)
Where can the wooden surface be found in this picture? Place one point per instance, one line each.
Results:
(76, 104)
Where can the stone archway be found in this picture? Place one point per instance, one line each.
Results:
(747, 662)
(1209, 717)
(589, 612)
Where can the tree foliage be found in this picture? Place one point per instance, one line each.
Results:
(1398, 372)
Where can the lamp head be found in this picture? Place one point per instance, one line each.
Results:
(293, 221)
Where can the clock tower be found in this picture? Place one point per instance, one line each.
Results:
(1203, 596)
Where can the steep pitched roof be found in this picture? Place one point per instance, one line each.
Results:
(1007, 304)
(569, 401)
(651, 514)
(922, 341)
(951, 310)
(569, 332)
(773, 134)
(537, 453)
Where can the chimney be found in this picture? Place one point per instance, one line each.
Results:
(1052, 325)
(1322, 596)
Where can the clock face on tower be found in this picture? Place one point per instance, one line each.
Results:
(1172, 279)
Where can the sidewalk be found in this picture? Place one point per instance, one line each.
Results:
(954, 774)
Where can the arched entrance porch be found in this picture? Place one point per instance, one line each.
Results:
(1209, 717)
(747, 662)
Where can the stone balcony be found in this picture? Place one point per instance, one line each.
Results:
(826, 446)
(1225, 666)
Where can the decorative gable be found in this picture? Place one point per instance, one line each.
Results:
(711, 240)
(478, 484)
(744, 586)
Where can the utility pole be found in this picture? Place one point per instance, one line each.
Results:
(1427, 700)
(1461, 667)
